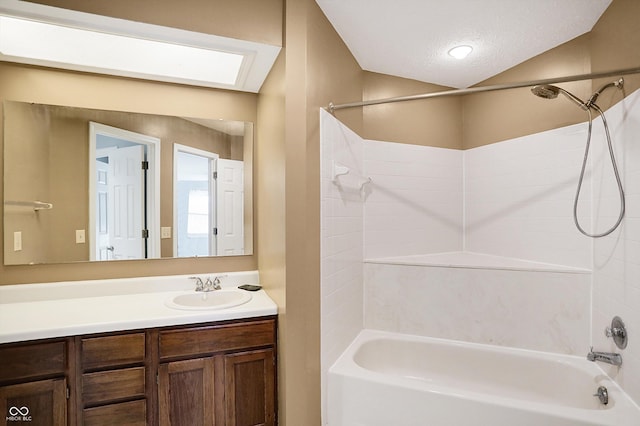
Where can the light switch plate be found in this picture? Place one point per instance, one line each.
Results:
(17, 241)
(165, 232)
(80, 237)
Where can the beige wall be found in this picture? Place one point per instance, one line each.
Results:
(319, 69)
(495, 116)
(253, 20)
(45, 162)
(435, 122)
(614, 45)
(270, 196)
(29, 171)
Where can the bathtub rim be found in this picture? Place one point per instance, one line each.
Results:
(346, 367)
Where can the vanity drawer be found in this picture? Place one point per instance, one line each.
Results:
(112, 351)
(212, 339)
(28, 361)
(109, 386)
(132, 413)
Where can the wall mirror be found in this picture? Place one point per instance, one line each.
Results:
(95, 185)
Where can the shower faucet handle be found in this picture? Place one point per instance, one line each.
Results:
(618, 332)
(615, 332)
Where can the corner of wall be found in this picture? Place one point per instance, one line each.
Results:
(434, 122)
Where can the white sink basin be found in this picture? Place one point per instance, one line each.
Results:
(208, 300)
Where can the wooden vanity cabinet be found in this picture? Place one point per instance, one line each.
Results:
(220, 374)
(33, 384)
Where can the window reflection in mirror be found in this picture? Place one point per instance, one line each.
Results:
(48, 158)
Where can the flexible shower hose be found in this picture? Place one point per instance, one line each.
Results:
(615, 171)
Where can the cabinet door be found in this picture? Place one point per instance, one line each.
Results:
(250, 388)
(186, 393)
(41, 403)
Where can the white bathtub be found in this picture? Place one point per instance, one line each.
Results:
(387, 379)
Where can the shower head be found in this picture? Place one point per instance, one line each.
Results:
(548, 91)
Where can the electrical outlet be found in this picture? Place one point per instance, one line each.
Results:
(165, 232)
(80, 238)
(17, 241)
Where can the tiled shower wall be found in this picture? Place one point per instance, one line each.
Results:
(414, 204)
(516, 198)
(616, 262)
(519, 198)
(341, 240)
(512, 198)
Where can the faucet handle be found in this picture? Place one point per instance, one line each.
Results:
(216, 282)
(615, 331)
(199, 283)
(618, 332)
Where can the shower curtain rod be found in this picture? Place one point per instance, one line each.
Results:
(459, 92)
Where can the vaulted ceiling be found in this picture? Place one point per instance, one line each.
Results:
(412, 38)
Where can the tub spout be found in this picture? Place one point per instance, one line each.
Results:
(608, 357)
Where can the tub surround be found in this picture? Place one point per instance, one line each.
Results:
(524, 308)
(480, 298)
(39, 311)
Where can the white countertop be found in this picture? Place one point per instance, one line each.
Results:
(39, 311)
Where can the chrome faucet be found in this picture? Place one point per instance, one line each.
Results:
(608, 357)
(208, 284)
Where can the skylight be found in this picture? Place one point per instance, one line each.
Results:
(43, 35)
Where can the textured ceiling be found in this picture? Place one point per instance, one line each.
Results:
(411, 38)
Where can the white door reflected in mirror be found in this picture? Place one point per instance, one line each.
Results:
(230, 207)
(122, 205)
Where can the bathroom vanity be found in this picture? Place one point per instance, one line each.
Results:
(184, 372)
